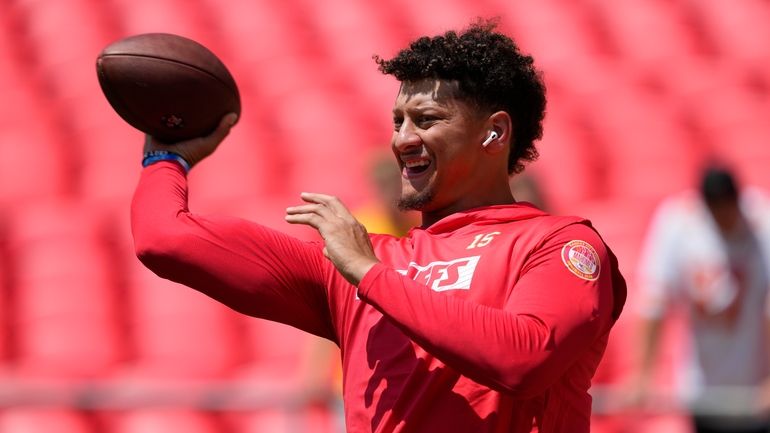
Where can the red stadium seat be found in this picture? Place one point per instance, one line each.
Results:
(179, 334)
(66, 320)
(355, 80)
(110, 158)
(435, 16)
(556, 33)
(753, 172)
(325, 149)
(64, 57)
(164, 420)
(5, 307)
(568, 169)
(243, 169)
(33, 165)
(43, 420)
(266, 420)
(312, 419)
(375, 32)
(740, 30)
(250, 28)
(260, 33)
(732, 119)
(60, 61)
(283, 369)
(629, 30)
(638, 135)
(277, 349)
(169, 16)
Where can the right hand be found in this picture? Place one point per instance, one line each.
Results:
(197, 149)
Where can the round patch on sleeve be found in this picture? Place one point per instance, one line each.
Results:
(581, 259)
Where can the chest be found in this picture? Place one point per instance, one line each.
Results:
(479, 265)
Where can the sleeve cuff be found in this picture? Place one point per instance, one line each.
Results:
(156, 156)
(368, 282)
(172, 164)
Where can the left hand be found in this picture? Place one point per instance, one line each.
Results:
(346, 240)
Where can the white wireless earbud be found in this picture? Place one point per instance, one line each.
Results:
(492, 136)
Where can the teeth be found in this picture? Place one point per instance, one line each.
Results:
(420, 163)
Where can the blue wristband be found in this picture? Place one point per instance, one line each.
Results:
(164, 155)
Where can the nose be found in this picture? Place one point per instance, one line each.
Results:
(405, 137)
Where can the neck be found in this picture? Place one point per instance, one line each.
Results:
(503, 196)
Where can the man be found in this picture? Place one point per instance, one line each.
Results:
(490, 316)
(710, 252)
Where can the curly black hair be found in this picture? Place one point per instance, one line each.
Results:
(492, 73)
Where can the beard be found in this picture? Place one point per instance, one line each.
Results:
(415, 200)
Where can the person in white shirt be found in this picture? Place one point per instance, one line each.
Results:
(709, 251)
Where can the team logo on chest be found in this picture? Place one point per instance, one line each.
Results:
(581, 259)
(440, 276)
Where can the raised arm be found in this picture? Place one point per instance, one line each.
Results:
(249, 267)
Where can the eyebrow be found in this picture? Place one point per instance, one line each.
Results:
(420, 108)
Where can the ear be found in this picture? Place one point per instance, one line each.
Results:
(500, 123)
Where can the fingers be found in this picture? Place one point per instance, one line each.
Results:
(219, 134)
(223, 129)
(310, 214)
(196, 149)
(329, 201)
(308, 219)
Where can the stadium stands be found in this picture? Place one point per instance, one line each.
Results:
(641, 93)
(66, 316)
(43, 420)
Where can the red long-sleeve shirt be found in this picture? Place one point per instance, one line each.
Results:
(490, 320)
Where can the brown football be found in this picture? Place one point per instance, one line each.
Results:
(168, 86)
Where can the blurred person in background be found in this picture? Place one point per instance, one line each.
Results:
(709, 252)
(490, 316)
(382, 214)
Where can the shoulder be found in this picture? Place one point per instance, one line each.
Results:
(550, 227)
(568, 247)
(755, 202)
(575, 233)
(563, 236)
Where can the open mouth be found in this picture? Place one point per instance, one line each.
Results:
(416, 167)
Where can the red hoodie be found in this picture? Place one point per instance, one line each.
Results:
(490, 320)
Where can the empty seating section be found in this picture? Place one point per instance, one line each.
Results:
(159, 420)
(33, 165)
(42, 420)
(66, 315)
(737, 32)
(642, 93)
(647, 34)
(178, 333)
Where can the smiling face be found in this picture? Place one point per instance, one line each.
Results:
(437, 143)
